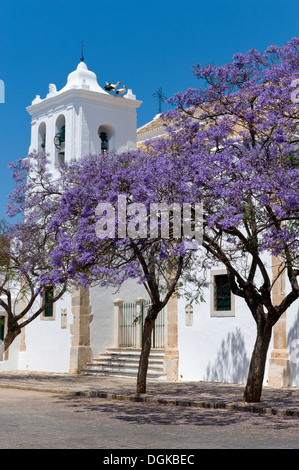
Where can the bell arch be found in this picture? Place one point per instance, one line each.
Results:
(106, 134)
(59, 140)
(41, 138)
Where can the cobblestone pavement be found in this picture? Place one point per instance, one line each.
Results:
(38, 420)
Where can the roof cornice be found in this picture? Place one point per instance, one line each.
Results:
(83, 95)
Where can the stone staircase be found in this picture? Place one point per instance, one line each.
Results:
(123, 362)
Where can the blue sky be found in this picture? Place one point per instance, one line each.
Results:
(143, 44)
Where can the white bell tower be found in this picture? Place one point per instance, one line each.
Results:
(82, 119)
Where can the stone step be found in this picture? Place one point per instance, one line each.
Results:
(120, 370)
(124, 362)
(127, 357)
(133, 352)
(126, 374)
(120, 365)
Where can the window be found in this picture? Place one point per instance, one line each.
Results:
(2, 320)
(1, 328)
(49, 312)
(222, 293)
(222, 299)
(48, 297)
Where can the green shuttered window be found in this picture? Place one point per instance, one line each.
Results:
(48, 297)
(1, 328)
(222, 293)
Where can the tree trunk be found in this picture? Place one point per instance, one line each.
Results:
(254, 386)
(8, 340)
(145, 352)
(11, 335)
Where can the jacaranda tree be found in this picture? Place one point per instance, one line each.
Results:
(101, 224)
(26, 283)
(116, 221)
(233, 145)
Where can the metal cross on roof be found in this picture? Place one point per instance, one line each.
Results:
(82, 56)
(159, 95)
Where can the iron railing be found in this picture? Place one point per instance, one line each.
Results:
(132, 320)
(158, 333)
(128, 325)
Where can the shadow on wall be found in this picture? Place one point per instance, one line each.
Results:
(293, 347)
(232, 362)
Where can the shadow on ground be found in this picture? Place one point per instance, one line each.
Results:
(155, 414)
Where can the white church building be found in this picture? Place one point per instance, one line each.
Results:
(93, 331)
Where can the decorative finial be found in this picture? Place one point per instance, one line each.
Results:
(82, 56)
(159, 95)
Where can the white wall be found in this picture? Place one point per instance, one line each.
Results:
(220, 348)
(293, 342)
(216, 349)
(12, 363)
(47, 344)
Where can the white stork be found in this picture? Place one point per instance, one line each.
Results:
(121, 90)
(111, 87)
